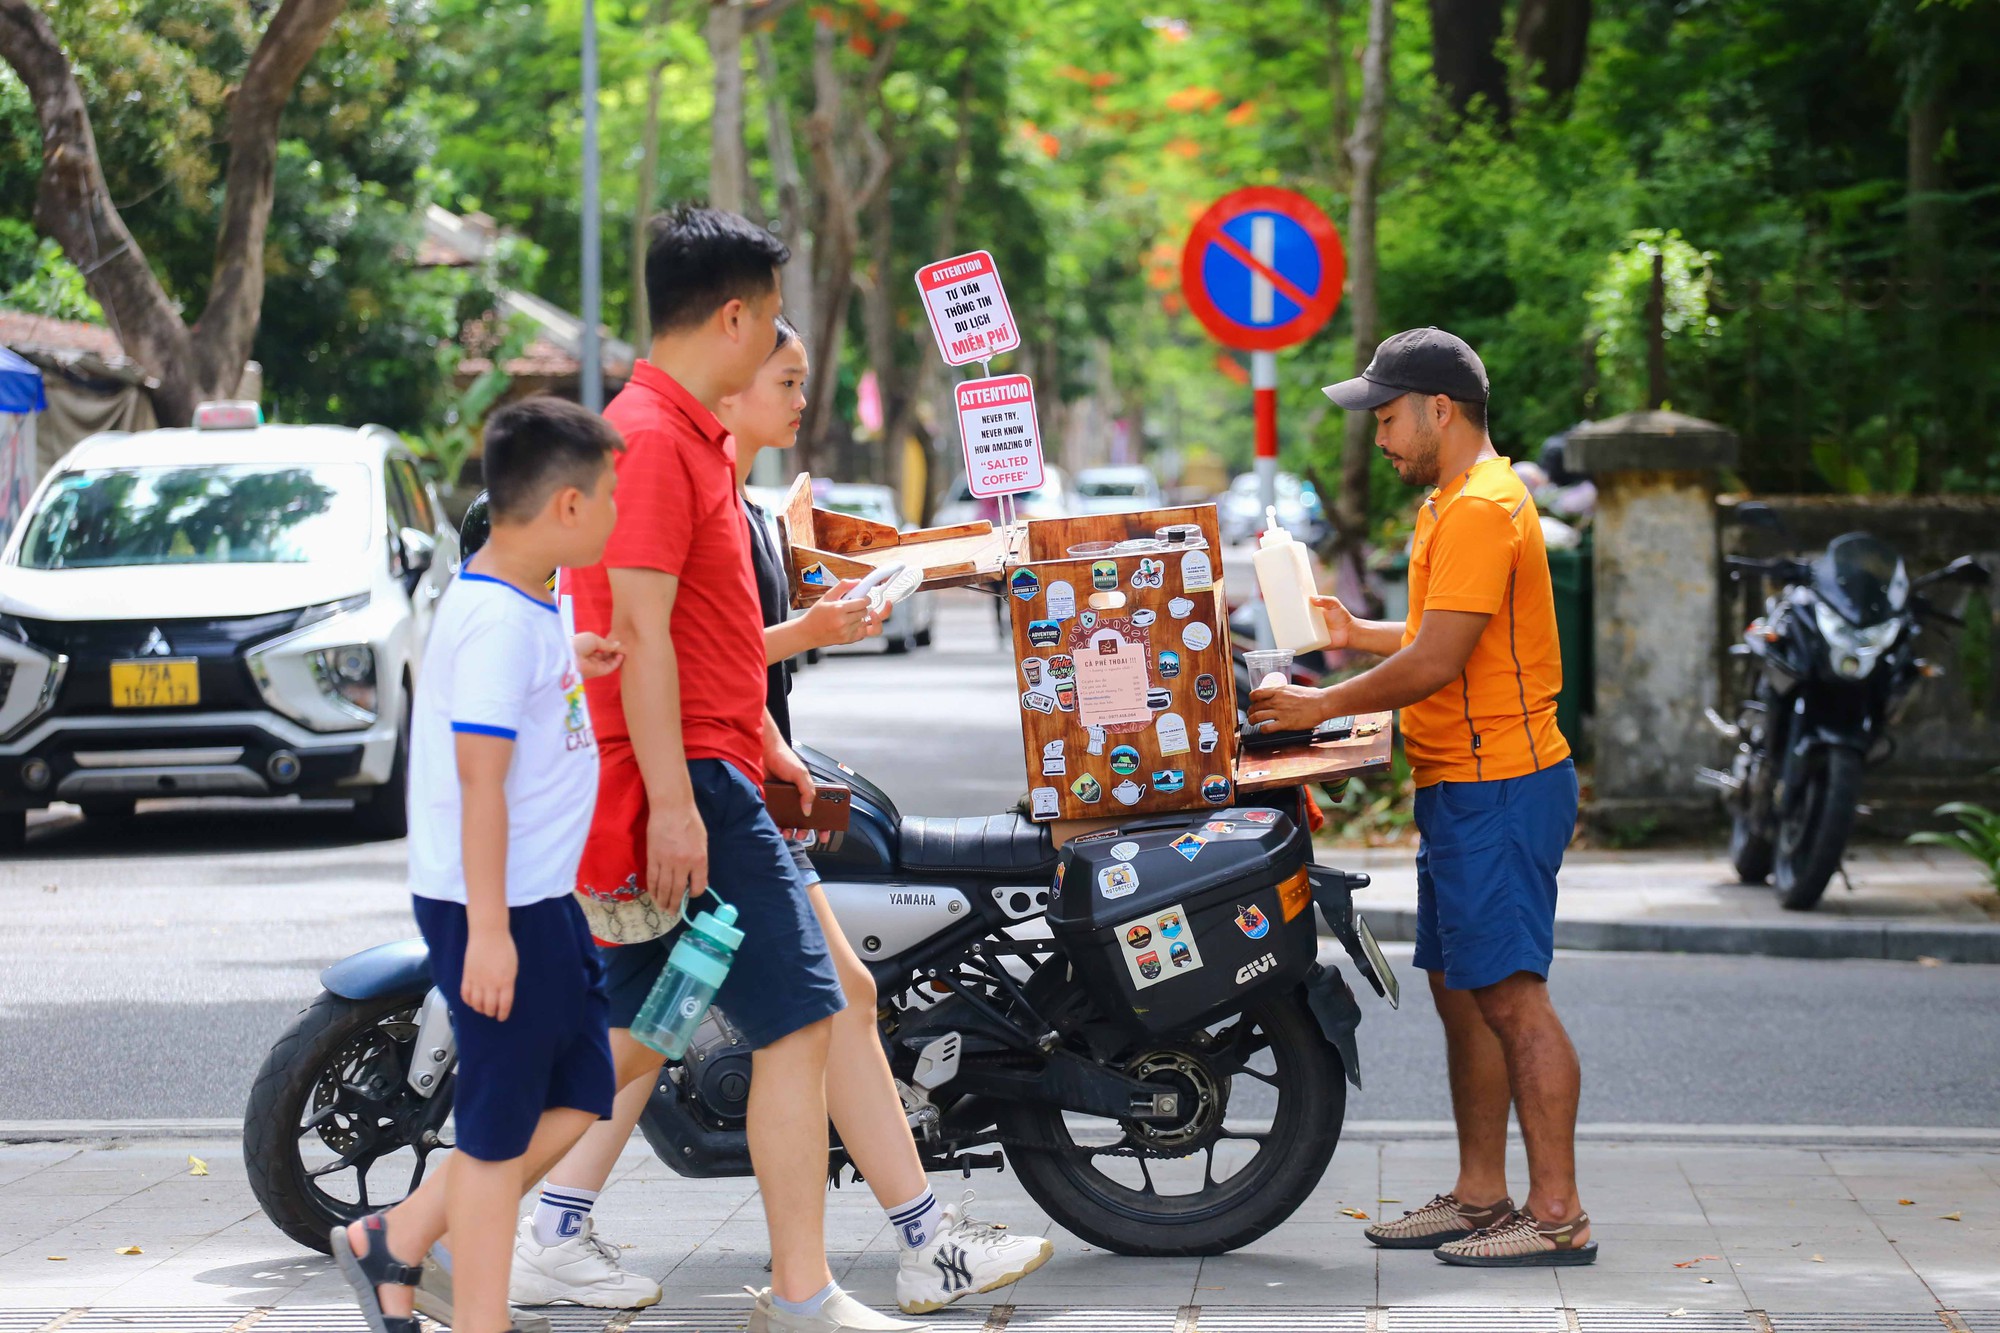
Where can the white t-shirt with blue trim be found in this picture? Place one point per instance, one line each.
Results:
(499, 663)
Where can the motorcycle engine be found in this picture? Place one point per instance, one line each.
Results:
(715, 1076)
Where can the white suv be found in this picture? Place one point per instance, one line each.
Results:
(234, 609)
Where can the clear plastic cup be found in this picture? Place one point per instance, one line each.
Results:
(1267, 662)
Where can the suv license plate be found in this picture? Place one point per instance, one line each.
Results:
(169, 682)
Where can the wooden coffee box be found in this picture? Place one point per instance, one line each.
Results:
(1127, 696)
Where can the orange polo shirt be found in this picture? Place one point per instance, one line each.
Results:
(1478, 547)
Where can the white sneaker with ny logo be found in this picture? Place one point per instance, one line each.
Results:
(965, 1258)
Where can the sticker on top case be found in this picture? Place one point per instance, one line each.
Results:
(1171, 728)
(1143, 617)
(1150, 573)
(1125, 851)
(1062, 601)
(1197, 636)
(1117, 881)
(1104, 575)
(1045, 802)
(1167, 781)
(1181, 608)
(1204, 688)
(1087, 619)
(1261, 816)
(1197, 575)
(1252, 921)
(1037, 702)
(1215, 789)
(1170, 663)
(1206, 737)
(1124, 760)
(1087, 789)
(1128, 792)
(1190, 845)
(1044, 633)
(1026, 584)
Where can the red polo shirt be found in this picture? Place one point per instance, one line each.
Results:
(678, 513)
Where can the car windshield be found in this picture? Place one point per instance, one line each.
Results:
(1101, 488)
(207, 514)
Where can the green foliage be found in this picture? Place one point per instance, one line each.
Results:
(36, 278)
(1978, 835)
(1620, 312)
(443, 446)
(1375, 811)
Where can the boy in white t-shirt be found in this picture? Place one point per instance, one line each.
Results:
(503, 777)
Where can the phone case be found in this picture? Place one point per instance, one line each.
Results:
(831, 806)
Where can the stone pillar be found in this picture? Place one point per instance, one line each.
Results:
(1656, 580)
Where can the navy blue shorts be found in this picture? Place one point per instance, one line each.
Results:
(783, 977)
(552, 1050)
(1486, 874)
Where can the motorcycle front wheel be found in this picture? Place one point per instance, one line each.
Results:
(1265, 1098)
(1814, 827)
(333, 1130)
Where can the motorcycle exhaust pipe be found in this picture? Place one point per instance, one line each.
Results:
(1728, 730)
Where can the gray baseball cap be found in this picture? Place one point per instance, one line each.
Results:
(1427, 360)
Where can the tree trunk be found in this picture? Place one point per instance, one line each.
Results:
(1336, 77)
(1464, 58)
(1927, 115)
(844, 191)
(1552, 37)
(649, 182)
(1364, 150)
(73, 205)
(728, 157)
(792, 225)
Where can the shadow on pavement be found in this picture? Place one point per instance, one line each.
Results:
(193, 827)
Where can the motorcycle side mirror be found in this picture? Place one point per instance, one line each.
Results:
(1757, 514)
(1965, 569)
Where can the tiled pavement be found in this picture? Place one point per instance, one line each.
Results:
(1791, 1239)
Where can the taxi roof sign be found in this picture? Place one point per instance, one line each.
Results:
(228, 414)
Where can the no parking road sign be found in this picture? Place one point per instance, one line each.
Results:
(1263, 269)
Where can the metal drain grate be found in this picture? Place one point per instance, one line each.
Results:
(207, 1319)
(1278, 1319)
(1818, 1321)
(1092, 1321)
(1445, 1319)
(1980, 1321)
(1659, 1321)
(28, 1321)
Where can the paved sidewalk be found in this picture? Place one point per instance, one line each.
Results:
(1702, 1235)
(1907, 903)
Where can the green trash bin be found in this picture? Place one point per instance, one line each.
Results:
(1569, 572)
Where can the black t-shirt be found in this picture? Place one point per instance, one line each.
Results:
(774, 595)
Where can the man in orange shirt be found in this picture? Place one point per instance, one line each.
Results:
(1475, 671)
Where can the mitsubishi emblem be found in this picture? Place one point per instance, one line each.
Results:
(156, 645)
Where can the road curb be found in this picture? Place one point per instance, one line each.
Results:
(1895, 941)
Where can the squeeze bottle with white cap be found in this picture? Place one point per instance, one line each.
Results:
(1284, 576)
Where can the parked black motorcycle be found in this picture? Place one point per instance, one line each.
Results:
(1137, 1021)
(1833, 665)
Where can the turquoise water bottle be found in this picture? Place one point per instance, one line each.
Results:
(687, 985)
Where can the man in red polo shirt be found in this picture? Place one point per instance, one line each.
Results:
(685, 745)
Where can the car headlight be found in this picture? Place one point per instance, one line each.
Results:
(346, 675)
(1852, 649)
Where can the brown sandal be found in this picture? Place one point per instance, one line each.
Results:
(1522, 1241)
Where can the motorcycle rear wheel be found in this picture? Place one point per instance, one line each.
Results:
(335, 1086)
(1073, 1184)
(1813, 830)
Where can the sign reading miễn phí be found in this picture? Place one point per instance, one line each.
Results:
(968, 308)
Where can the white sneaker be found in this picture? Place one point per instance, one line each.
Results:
(964, 1258)
(580, 1270)
(841, 1314)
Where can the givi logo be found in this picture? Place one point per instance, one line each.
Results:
(1252, 970)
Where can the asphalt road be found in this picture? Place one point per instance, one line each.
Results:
(146, 966)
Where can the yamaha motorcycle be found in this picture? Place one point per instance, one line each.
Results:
(1833, 665)
(1137, 1021)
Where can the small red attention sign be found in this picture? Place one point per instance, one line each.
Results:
(968, 308)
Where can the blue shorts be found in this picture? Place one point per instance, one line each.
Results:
(1486, 874)
(551, 1051)
(783, 977)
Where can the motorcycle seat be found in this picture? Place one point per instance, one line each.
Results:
(1006, 846)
